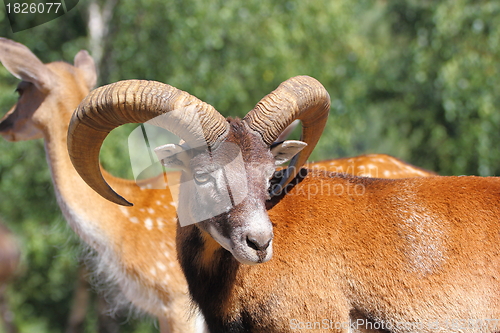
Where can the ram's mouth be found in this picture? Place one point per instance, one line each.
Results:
(247, 254)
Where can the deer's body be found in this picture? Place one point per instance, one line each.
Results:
(372, 165)
(135, 246)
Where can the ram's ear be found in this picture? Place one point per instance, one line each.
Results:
(173, 156)
(284, 151)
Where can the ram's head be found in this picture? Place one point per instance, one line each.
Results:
(226, 163)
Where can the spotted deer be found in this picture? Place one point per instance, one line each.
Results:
(135, 246)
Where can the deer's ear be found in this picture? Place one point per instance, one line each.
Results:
(173, 156)
(86, 63)
(24, 65)
(284, 151)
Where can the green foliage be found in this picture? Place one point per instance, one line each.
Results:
(414, 79)
(443, 94)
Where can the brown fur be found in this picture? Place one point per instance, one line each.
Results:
(350, 248)
(420, 250)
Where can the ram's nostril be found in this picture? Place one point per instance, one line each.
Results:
(258, 243)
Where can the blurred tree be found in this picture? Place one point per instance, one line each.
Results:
(438, 88)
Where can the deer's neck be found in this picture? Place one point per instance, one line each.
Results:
(80, 205)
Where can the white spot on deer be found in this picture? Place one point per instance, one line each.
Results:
(142, 210)
(173, 203)
(167, 255)
(417, 172)
(158, 202)
(159, 222)
(151, 211)
(152, 271)
(161, 266)
(387, 173)
(124, 211)
(134, 219)
(148, 223)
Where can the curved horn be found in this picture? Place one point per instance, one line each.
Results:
(301, 97)
(136, 101)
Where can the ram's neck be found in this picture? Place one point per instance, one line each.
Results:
(203, 259)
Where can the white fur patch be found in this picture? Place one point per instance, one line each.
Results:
(161, 266)
(160, 223)
(148, 223)
(124, 210)
(423, 233)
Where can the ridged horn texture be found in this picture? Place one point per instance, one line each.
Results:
(136, 101)
(300, 97)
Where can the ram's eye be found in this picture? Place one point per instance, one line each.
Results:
(201, 178)
(19, 91)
